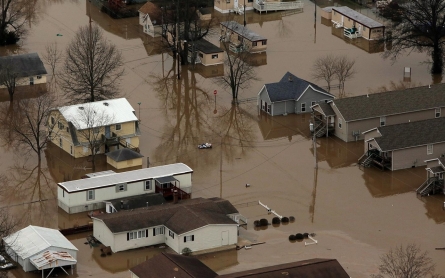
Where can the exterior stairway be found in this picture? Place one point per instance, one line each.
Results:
(366, 161)
(430, 186)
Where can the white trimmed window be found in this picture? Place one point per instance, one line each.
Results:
(71, 149)
(60, 125)
(53, 121)
(90, 195)
(171, 234)
(429, 149)
(121, 187)
(189, 238)
(137, 234)
(214, 56)
(96, 130)
(303, 107)
(158, 231)
(147, 185)
(437, 112)
(340, 122)
(118, 126)
(382, 121)
(60, 142)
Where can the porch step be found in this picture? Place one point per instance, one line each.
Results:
(430, 186)
(367, 161)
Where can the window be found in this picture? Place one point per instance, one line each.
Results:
(382, 121)
(121, 187)
(147, 185)
(254, 43)
(214, 56)
(85, 150)
(158, 231)
(437, 110)
(71, 149)
(264, 42)
(364, 28)
(39, 77)
(60, 125)
(96, 130)
(118, 126)
(312, 103)
(67, 129)
(171, 234)
(429, 149)
(53, 121)
(60, 143)
(137, 234)
(240, 38)
(189, 238)
(303, 107)
(340, 122)
(90, 195)
(268, 108)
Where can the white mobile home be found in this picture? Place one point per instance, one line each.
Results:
(90, 194)
(197, 224)
(39, 248)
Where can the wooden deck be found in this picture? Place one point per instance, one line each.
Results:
(278, 6)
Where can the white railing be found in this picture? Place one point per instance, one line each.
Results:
(278, 6)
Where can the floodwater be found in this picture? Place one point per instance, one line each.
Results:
(356, 214)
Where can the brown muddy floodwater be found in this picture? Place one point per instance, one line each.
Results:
(356, 214)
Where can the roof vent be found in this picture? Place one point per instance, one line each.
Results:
(81, 107)
(429, 86)
(106, 103)
(289, 78)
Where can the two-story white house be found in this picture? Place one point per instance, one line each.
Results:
(91, 193)
(197, 224)
(150, 17)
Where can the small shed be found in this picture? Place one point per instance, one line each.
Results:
(207, 53)
(124, 158)
(240, 35)
(204, 14)
(39, 248)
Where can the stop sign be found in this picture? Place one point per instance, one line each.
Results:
(215, 92)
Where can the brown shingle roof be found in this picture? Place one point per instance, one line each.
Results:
(314, 268)
(153, 11)
(411, 134)
(172, 265)
(185, 216)
(390, 103)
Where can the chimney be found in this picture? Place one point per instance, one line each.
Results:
(289, 78)
(175, 196)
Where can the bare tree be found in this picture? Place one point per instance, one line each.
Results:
(406, 262)
(90, 123)
(239, 71)
(419, 26)
(8, 78)
(52, 57)
(344, 69)
(92, 68)
(14, 15)
(29, 125)
(394, 86)
(324, 69)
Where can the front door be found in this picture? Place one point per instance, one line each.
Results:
(224, 238)
(107, 131)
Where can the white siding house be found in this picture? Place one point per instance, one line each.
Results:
(89, 194)
(27, 68)
(28, 246)
(197, 224)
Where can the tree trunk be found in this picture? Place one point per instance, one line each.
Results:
(437, 60)
(11, 95)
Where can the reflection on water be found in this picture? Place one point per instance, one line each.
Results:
(221, 260)
(336, 153)
(284, 126)
(370, 46)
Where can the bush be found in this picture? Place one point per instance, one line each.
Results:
(264, 222)
(186, 251)
(292, 237)
(291, 218)
(299, 236)
(306, 235)
(276, 220)
(256, 223)
(285, 220)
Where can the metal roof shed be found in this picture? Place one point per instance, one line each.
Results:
(33, 241)
(52, 259)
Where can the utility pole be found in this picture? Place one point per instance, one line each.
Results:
(220, 168)
(177, 37)
(244, 13)
(314, 139)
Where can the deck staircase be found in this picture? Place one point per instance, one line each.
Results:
(430, 186)
(366, 161)
(239, 9)
(320, 129)
(125, 144)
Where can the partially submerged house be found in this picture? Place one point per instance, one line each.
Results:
(124, 158)
(169, 265)
(150, 17)
(227, 6)
(290, 95)
(354, 23)
(348, 118)
(91, 193)
(206, 53)
(242, 38)
(434, 183)
(23, 69)
(39, 248)
(113, 122)
(197, 224)
(406, 145)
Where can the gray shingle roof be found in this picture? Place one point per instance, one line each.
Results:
(242, 30)
(326, 108)
(411, 134)
(207, 47)
(187, 215)
(24, 65)
(139, 201)
(123, 154)
(390, 103)
(290, 90)
(358, 17)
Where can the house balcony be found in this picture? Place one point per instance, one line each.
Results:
(374, 157)
(169, 186)
(111, 140)
(431, 186)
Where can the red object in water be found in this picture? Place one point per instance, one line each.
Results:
(215, 92)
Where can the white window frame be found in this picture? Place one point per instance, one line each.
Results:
(382, 121)
(121, 187)
(90, 195)
(71, 149)
(171, 234)
(96, 130)
(118, 127)
(149, 183)
(214, 56)
(340, 122)
(189, 238)
(60, 142)
(303, 107)
(437, 112)
(158, 231)
(429, 149)
(136, 234)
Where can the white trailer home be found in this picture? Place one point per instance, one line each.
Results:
(91, 193)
